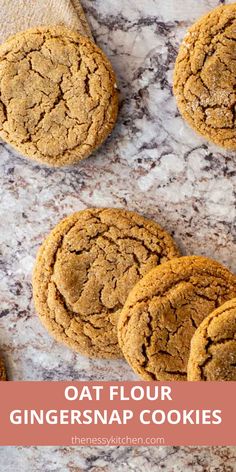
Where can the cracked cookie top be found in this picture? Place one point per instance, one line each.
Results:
(85, 269)
(205, 76)
(58, 97)
(213, 346)
(2, 370)
(163, 311)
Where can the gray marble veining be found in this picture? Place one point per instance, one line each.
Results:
(153, 163)
(119, 459)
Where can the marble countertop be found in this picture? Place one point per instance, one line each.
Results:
(154, 164)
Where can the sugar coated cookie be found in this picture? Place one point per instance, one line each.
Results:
(213, 346)
(205, 76)
(58, 97)
(85, 270)
(164, 310)
(2, 370)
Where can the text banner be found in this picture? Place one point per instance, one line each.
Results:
(116, 413)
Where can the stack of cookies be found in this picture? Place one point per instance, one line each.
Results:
(110, 283)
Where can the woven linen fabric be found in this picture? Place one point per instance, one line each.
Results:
(19, 15)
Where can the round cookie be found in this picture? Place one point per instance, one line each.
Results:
(213, 346)
(58, 95)
(2, 371)
(163, 311)
(205, 76)
(85, 270)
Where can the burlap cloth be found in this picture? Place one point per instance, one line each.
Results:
(18, 15)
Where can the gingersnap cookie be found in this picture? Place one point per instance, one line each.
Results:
(205, 76)
(213, 346)
(58, 97)
(85, 270)
(163, 311)
(2, 371)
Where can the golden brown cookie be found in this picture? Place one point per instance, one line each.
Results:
(2, 370)
(85, 270)
(213, 346)
(205, 76)
(58, 97)
(163, 311)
